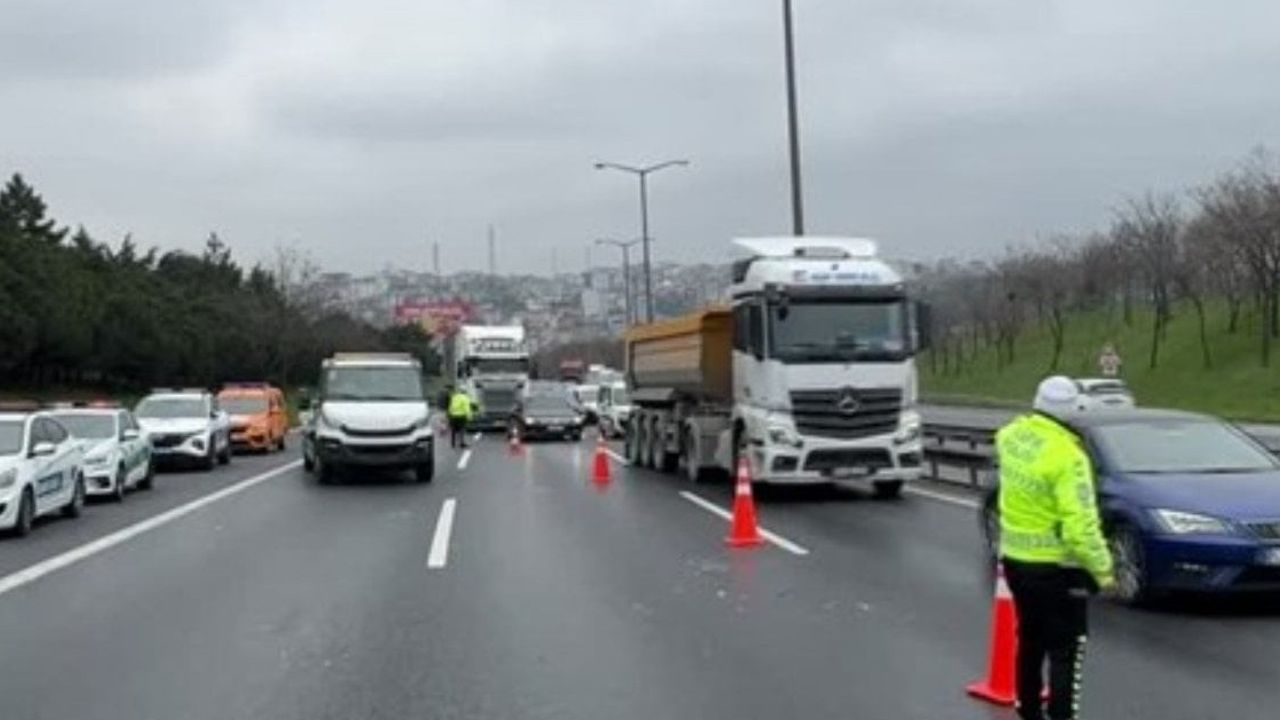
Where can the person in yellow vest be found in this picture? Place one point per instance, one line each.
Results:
(460, 413)
(1051, 545)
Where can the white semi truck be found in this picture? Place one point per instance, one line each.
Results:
(491, 364)
(809, 374)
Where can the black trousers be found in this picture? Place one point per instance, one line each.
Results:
(1053, 606)
(457, 432)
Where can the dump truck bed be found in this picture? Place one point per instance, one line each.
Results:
(690, 355)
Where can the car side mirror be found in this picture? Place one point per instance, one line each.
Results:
(43, 449)
(130, 434)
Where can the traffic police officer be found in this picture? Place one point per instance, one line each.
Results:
(460, 412)
(1052, 547)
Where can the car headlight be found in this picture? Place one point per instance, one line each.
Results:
(96, 460)
(528, 420)
(198, 443)
(8, 477)
(422, 422)
(782, 435)
(1178, 522)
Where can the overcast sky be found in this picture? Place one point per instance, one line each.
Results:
(361, 131)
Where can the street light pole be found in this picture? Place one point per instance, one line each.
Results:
(626, 272)
(643, 174)
(793, 123)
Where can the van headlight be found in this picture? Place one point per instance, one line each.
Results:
(8, 478)
(422, 422)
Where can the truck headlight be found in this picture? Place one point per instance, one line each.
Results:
(8, 478)
(907, 433)
(782, 435)
(1185, 523)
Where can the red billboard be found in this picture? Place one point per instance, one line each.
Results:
(441, 318)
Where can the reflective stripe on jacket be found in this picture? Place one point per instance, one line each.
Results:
(1048, 506)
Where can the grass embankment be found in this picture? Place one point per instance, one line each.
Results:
(1236, 385)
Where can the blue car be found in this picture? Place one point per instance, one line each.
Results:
(1188, 502)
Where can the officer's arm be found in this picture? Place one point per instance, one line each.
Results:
(1081, 526)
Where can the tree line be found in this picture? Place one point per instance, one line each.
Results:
(79, 313)
(1213, 251)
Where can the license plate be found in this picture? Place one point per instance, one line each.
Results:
(1269, 556)
(555, 428)
(849, 472)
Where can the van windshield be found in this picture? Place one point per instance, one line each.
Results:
(372, 383)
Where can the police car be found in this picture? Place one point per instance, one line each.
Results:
(39, 469)
(117, 457)
(186, 425)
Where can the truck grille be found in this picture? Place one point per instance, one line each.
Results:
(818, 412)
(498, 401)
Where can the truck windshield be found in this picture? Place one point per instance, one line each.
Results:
(373, 383)
(835, 331)
(492, 366)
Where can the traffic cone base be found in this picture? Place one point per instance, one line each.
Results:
(745, 532)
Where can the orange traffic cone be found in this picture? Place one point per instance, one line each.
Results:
(600, 471)
(1000, 686)
(744, 533)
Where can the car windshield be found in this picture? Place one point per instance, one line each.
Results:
(246, 405)
(620, 396)
(548, 405)
(364, 383)
(166, 408)
(1175, 446)
(492, 366)
(802, 332)
(1110, 387)
(88, 426)
(10, 437)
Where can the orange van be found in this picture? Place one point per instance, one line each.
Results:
(258, 417)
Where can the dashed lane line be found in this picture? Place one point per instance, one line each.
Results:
(438, 557)
(944, 497)
(772, 537)
(89, 549)
(466, 458)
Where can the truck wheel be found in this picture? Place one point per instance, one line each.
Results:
(631, 442)
(654, 444)
(667, 461)
(689, 459)
(887, 489)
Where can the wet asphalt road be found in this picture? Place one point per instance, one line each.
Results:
(285, 599)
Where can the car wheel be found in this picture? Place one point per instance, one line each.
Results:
(73, 508)
(324, 472)
(308, 460)
(281, 445)
(148, 481)
(225, 456)
(1132, 586)
(209, 460)
(26, 514)
(887, 489)
(122, 477)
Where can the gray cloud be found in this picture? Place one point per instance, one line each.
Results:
(364, 130)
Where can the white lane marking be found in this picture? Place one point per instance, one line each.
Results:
(772, 537)
(621, 460)
(466, 458)
(439, 554)
(944, 498)
(89, 549)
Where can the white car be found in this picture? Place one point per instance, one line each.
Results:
(1104, 394)
(116, 455)
(186, 425)
(614, 409)
(39, 470)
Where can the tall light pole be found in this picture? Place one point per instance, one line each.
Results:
(643, 173)
(625, 245)
(793, 124)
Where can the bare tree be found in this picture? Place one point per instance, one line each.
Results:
(1149, 228)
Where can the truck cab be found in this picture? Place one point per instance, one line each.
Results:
(491, 364)
(824, 374)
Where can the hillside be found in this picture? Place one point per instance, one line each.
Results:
(1236, 385)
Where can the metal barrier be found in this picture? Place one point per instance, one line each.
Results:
(968, 449)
